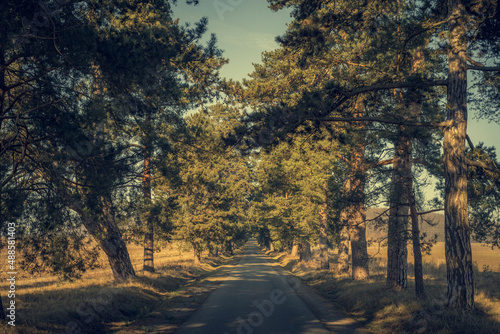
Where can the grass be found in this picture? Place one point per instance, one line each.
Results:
(94, 303)
(383, 311)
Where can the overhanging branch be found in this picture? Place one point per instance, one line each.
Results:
(483, 165)
(484, 68)
(394, 85)
(387, 121)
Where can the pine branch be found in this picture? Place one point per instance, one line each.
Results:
(484, 68)
(430, 211)
(469, 141)
(393, 85)
(483, 165)
(473, 62)
(424, 30)
(382, 120)
(383, 163)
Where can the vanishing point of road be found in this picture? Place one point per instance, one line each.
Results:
(253, 299)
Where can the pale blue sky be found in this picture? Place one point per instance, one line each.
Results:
(246, 28)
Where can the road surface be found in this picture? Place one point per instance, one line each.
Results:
(253, 299)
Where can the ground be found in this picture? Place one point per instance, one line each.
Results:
(166, 299)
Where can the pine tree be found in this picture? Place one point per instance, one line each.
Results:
(173, 74)
(294, 179)
(214, 186)
(484, 192)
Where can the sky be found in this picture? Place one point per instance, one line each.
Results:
(246, 28)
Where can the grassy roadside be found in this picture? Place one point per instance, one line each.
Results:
(95, 304)
(383, 311)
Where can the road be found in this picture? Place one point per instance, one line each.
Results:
(253, 299)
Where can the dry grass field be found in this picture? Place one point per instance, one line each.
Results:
(94, 303)
(483, 257)
(384, 311)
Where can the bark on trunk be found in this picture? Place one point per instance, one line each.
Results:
(265, 237)
(295, 248)
(114, 246)
(357, 229)
(355, 195)
(118, 256)
(148, 265)
(102, 226)
(213, 251)
(271, 246)
(197, 256)
(353, 219)
(397, 251)
(457, 234)
(229, 248)
(323, 236)
(343, 259)
(359, 247)
(415, 232)
(305, 252)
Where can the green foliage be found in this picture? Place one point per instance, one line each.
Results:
(484, 196)
(214, 185)
(294, 181)
(67, 255)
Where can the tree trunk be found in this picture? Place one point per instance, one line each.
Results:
(197, 256)
(148, 265)
(359, 247)
(114, 246)
(343, 263)
(271, 246)
(305, 252)
(457, 234)
(265, 237)
(213, 251)
(295, 248)
(323, 236)
(104, 229)
(357, 229)
(343, 259)
(397, 251)
(118, 256)
(415, 232)
(229, 248)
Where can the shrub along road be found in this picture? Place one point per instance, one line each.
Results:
(255, 298)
